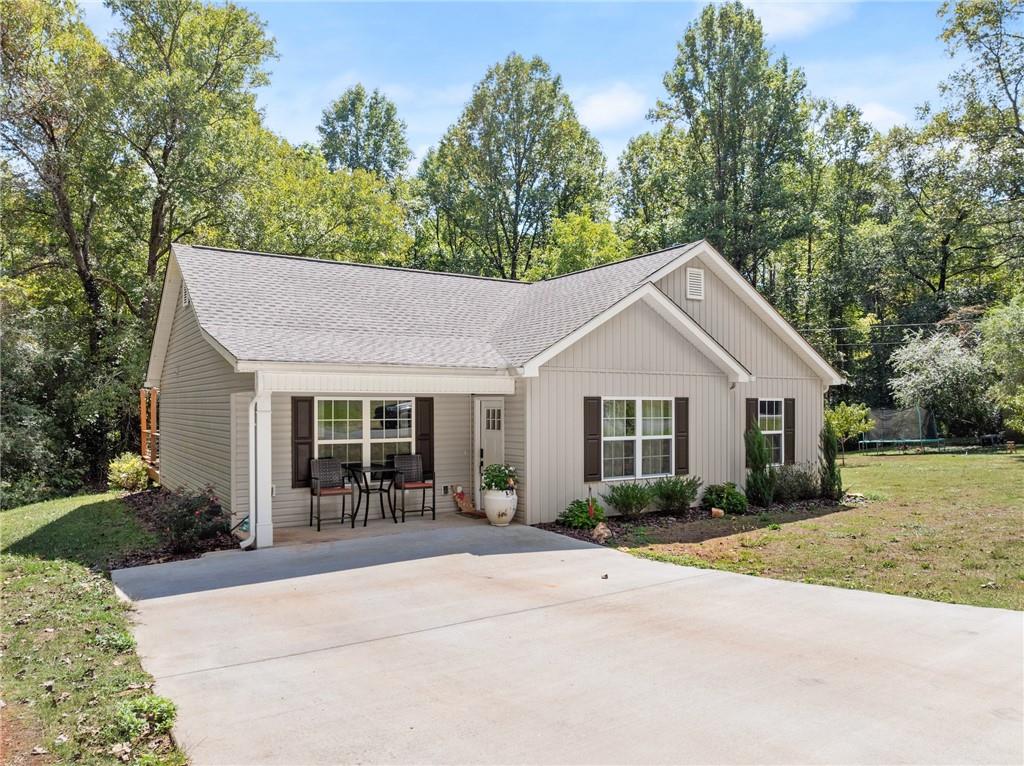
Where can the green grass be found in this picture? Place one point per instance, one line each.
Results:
(69, 667)
(946, 527)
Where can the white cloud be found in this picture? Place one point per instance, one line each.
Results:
(793, 20)
(614, 106)
(881, 116)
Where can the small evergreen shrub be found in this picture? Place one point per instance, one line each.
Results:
(629, 498)
(796, 483)
(582, 514)
(127, 472)
(725, 496)
(147, 716)
(675, 493)
(761, 476)
(828, 470)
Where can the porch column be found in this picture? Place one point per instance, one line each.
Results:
(264, 476)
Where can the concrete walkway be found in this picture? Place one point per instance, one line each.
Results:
(511, 646)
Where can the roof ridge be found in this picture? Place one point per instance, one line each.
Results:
(311, 259)
(676, 246)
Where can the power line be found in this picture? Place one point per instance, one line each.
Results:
(869, 327)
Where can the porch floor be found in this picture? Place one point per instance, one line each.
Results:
(331, 530)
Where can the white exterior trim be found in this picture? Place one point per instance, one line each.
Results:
(758, 304)
(165, 319)
(668, 310)
(638, 438)
(404, 383)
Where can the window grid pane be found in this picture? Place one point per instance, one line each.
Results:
(656, 457)
(657, 417)
(619, 459)
(619, 418)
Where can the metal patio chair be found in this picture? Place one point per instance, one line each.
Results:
(328, 479)
(409, 474)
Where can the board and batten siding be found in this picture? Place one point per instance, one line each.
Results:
(195, 410)
(634, 354)
(516, 443)
(453, 445)
(778, 370)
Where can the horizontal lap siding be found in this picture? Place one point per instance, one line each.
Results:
(635, 354)
(195, 411)
(452, 454)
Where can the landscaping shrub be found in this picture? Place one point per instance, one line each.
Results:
(582, 514)
(796, 483)
(725, 496)
(761, 476)
(629, 498)
(190, 517)
(147, 716)
(831, 479)
(127, 472)
(675, 493)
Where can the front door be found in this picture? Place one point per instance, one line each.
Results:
(490, 437)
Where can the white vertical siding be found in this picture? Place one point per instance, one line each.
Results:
(195, 411)
(516, 441)
(453, 445)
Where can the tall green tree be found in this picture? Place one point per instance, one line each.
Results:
(744, 115)
(647, 194)
(361, 131)
(577, 242)
(187, 75)
(517, 158)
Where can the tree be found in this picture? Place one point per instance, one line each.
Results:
(294, 204)
(577, 242)
(516, 159)
(185, 96)
(1002, 348)
(363, 132)
(744, 117)
(647, 194)
(847, 421)
(943, 375)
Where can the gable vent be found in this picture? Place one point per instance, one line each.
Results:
(185, 297)
(695, 284)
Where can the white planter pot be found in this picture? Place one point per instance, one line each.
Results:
(500, 506)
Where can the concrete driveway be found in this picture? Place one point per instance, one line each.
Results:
(483, 645)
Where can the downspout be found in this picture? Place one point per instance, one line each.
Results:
(251, 539)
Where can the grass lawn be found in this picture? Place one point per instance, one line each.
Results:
(946, 527)
(69, 669)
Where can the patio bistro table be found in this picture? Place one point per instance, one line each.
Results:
(364, 476)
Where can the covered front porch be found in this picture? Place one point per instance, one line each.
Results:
(361, 419)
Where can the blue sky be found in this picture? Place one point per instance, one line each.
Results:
(883, 57)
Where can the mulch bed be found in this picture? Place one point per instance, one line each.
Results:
(146, 507)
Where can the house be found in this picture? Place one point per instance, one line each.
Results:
(651, 366)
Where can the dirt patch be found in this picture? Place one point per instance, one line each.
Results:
(18, 738)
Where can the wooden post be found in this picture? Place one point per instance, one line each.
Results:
(143, 436)
(154, 427)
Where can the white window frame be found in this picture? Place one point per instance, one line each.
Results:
(366, 441)
(638, 438)
(782, 430)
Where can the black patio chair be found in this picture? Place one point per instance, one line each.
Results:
(327, 479)
(409, 474)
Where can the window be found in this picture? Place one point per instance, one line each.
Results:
(769, 420)
(492, 419)
(363, 430)
(695, 284)
(625, 437)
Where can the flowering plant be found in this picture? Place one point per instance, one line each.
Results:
(500, 477)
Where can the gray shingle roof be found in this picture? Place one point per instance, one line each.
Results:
(264, 307)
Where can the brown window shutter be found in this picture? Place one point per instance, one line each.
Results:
(425, 433)
(682, 435)
(789, 431)
(591, 438)
(302, 439)
(750, 423)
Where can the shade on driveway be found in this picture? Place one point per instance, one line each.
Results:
(485, 645)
